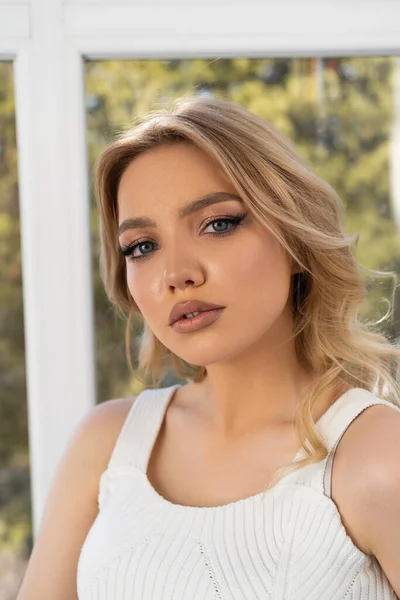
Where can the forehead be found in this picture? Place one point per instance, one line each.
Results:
(179, 171)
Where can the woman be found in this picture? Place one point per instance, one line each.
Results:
(235, 255)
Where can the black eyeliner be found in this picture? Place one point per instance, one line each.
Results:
(234, 220)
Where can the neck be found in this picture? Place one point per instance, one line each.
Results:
(258, 390)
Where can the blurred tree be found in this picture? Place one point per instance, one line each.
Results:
(15, 499)
(338, 112)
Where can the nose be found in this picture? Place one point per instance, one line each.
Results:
(182, 270)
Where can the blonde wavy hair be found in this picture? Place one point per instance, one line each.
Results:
(306, 216)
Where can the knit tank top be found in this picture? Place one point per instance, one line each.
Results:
(288, 543)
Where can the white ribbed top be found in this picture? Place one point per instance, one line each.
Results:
(286, 544)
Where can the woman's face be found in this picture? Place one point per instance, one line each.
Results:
(238, 265)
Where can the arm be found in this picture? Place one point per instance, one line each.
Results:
(71, 506)
(381, 506)
(369, 484)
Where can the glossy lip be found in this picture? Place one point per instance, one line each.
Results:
(183, 308)
(200, 321)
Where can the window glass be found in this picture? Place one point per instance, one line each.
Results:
(15, 498)
(343, 115)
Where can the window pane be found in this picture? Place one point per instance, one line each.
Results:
(15, 500)
(343, 114)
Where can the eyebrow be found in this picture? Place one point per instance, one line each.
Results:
(185, 211)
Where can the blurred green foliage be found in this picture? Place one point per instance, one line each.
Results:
(337, 111)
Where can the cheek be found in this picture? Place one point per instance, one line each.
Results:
(142, 287)
(259, 265)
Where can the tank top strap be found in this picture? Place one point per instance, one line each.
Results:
(140, 428)
(337, 419)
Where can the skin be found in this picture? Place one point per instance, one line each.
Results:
(253, 374)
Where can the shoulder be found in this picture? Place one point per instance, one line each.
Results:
(89, 450)
(111, 413)
(369, 449)
(366, 482)
(371, 443)
(94, 438)
(102, 425)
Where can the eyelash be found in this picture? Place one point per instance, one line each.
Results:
(235, 220)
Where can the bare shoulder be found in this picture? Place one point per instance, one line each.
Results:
(71, 504)
(366, 467)
(369, 442)
(97, 434)
(103, 424)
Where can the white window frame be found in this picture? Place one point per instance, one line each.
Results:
(48, 40)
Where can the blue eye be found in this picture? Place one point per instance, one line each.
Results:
(130, 248)
(219, 221)
(229, 223)
(142, 244)
(233, 221)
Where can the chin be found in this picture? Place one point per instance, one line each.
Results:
(204, 354)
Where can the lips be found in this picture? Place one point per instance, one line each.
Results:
(179, 310)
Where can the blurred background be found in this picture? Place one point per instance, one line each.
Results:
(343, 115)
